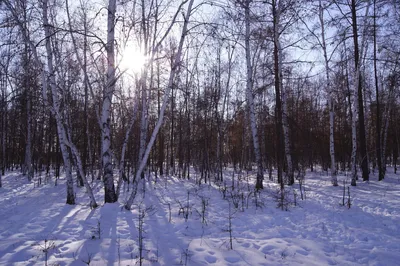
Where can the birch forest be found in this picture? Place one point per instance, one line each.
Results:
(121, 90)
(199, 132)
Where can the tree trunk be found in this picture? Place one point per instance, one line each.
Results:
(4, 131)
(278, 103)
(378, 116)
(285, 124)
(361, 121)
(385, 128)
(3, 88)
(250, 100)
(330, 99)
(143, 119)
(60, 128)
(354, 137)
(109, 188)
(143, 86)
(160, 140)
(172, 133)
(28, 148)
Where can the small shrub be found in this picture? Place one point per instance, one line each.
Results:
(96, 231)
(45, 248)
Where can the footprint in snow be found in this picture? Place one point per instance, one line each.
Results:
(267, 249)
(246, 245)
(64, 249)
(232, 259)
(302, 252)
(211, 259)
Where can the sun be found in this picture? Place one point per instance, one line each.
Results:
(132, 60)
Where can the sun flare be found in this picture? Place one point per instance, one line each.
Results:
(132, 60)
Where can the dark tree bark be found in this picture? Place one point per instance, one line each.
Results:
(278, 104)
(378, 116)
(361, 121)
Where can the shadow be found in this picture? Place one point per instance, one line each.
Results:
(108, 219)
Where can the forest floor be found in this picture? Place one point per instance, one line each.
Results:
(183, 223)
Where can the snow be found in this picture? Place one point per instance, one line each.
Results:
(179, 230)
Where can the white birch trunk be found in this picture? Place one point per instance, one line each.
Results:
(250, 99)
(89, 190)
(109, 189)
(330, 99)
(56, 104)
(354, 132)
(176, 63)
(285, 124)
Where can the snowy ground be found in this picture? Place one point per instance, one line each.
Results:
(188, 224)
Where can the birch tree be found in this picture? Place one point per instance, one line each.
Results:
(357, 53)
(334, 181)
(56, 103)
(353, 162)
(249, 95)
(55, 109)
(108, 91)
(278, 102)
